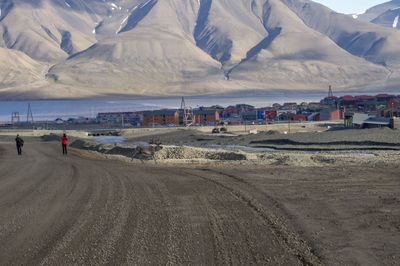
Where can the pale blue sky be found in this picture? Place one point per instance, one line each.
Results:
(350, 6)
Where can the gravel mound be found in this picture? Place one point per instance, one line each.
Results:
(190, 153)
(167, 153)
(184, 154)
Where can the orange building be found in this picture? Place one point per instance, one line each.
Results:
(161, 117)
(206, 117)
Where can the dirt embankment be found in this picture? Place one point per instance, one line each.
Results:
(331, 140)
(185, 154)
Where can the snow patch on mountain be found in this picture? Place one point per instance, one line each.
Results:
(355, 16)
(145, 4)
(123, 22)
(396, 21)
(115, 7)
(137, 14)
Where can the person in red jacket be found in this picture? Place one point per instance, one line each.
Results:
(64, 142)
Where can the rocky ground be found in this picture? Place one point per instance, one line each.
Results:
(84, 209)
(201, 204)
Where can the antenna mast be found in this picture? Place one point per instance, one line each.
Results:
(330, 93)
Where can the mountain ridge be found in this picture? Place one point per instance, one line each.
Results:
(166, 47)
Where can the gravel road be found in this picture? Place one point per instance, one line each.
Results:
(81, 210)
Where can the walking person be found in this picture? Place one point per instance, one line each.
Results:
(64, 143)
(20, 142)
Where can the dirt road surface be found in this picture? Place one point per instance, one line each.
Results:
(66, 210)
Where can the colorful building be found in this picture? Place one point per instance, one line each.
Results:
(161, 117)
(206, 117)
(299, 117)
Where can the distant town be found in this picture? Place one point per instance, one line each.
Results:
(360, 111)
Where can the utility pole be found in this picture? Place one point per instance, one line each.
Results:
(392, 109)
(183, 105)
(14, 117)
(29, 115)
(244, 120)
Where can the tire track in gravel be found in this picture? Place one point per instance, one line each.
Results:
(18, 193)
(221, 255)
(63, 228)
(273, 216)
(118, 212)
(334, 224)
(79, 244)
(84, 211)
(128, 228)
(149, 246)
(231, 220)
(169, 228)
(235, 229)
(178, 234)
(30, 212)
(12, 177)
(73, 227)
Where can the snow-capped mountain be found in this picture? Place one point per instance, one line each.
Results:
(77, 48)
(386, 14)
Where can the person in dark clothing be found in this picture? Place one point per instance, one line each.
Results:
(64, 143)
(20, 142)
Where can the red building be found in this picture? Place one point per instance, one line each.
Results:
(316, 117)
(393, 103)
(290, 104)
(348, 99)
(270, 114)
(384, 97)
(299, 117)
